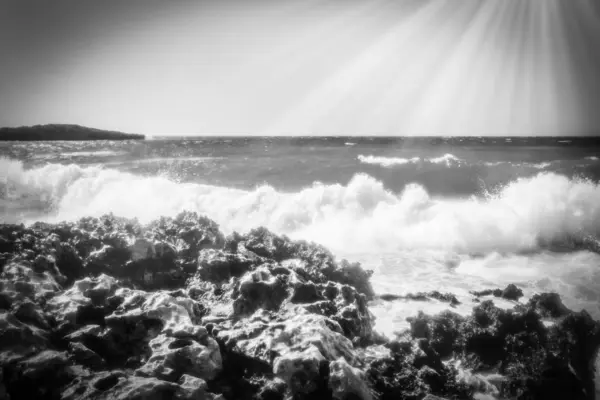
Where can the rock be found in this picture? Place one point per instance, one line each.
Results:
(84, 303)
(39, 376)
(549, 305)
(419, 326)
(219, 266)
(18, 281)
(119, 386)
(317, 263)
(347, 382)
(191, 388)
(108, 308)
(511, 292)
(31, 313)
(306, 293)
(300, 370)
(141, 249)
(19, 340)
(84, 356)
(174, 357)
(259, 289)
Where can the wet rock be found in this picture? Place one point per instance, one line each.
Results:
(38, 377)
(84, 303)
(19, 340)
(347, 382)
(119, 386)
(219, 266)
(31, 313)
(259, 289)
(549, 305)
(174, 357)
(419, 326)
(306, 293)
(80, 354)
(511, 292)
(283, 318)
(192, 388)
(18, 281)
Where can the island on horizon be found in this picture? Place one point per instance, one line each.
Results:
(63, 132)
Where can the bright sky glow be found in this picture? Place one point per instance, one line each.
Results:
(271, 67)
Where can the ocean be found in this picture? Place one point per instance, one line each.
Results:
(447, 214)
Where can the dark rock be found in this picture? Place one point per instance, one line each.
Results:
(549, 305)
(259, 289)
(419, 326)
(80, 354)
(219, 266)
(119, 386)
(38, 377)
(511, 292)
(306, 293)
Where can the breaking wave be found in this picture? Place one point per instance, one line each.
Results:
(360, 215)
(447, 159)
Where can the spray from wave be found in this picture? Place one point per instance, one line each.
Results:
(361, 215)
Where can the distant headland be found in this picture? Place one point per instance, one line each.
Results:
(63, 132)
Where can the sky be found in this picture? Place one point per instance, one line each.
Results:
(303, 67)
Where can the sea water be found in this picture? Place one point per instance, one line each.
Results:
(447, 214)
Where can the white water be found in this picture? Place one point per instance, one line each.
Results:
(447, 159)
(413, 241)
(362, 215)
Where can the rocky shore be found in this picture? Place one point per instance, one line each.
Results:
(109, 309)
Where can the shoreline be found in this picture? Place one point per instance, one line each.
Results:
(174, 309)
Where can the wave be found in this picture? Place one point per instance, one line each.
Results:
(592, 158)
(362, 215)
(447, 159)
(98, 153)
(387, 161)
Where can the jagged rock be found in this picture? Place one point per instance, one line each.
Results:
(316, 262)
(30, 313)
(422, 296)
(419, 326)
(510, 292)
(174, 357)
(189, 233)
(18, 340)
(119, 386)
(18, 281)
(80, 354)
(260, 289)
(38, 377)
(84, 303)
(549, 305)
(306, 293)
(300, 370)
(347, 382)
(260, 317)
(192, 388)
(219, 266)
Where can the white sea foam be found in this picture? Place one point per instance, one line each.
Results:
(447, 159)
(361, 215)
(387, 161)
(98, 153)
